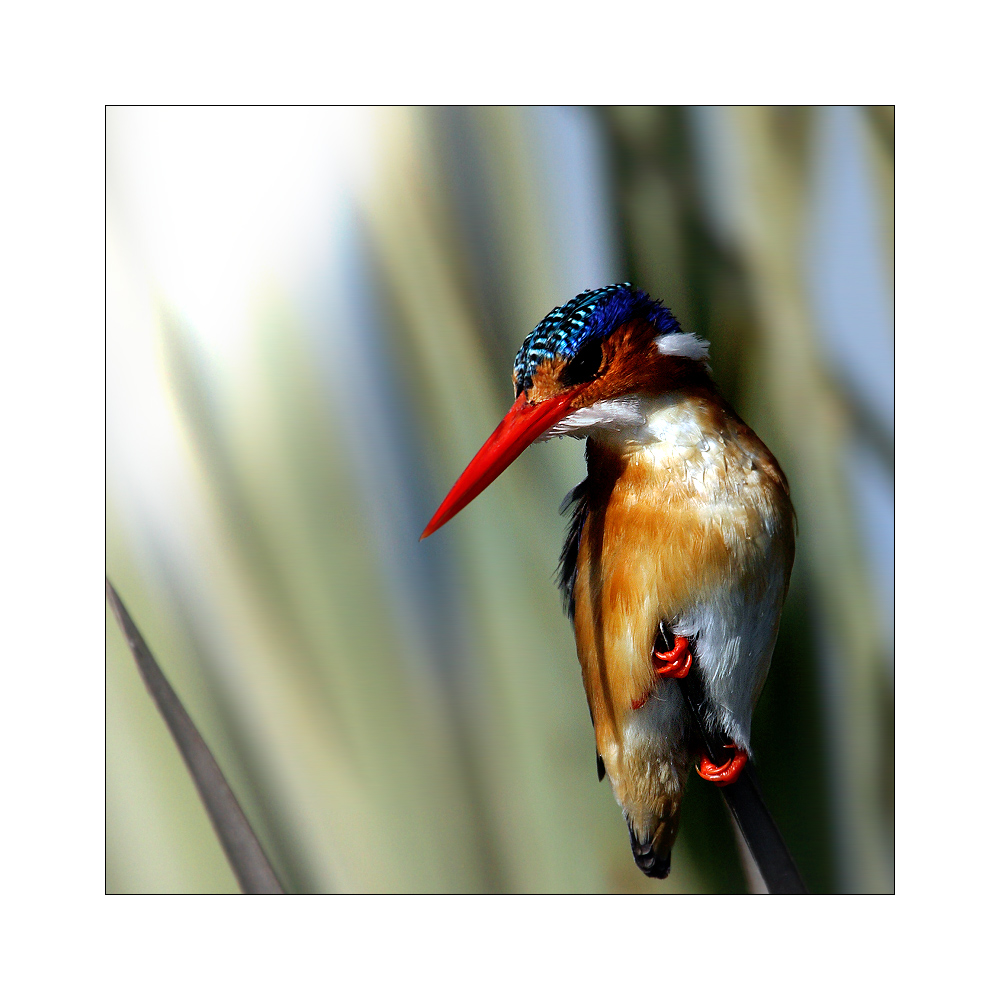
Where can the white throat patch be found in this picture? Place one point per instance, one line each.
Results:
(615, 415)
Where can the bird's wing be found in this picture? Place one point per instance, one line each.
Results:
(575, 503)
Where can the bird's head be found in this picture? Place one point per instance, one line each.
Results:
(591, 365)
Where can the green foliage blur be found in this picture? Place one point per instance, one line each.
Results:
(312, 317)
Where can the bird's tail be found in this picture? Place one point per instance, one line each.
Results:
(649, 860)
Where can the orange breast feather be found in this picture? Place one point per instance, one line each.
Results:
(655, 542)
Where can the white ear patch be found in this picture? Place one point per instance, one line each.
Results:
(683, 345)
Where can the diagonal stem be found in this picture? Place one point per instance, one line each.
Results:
(246, 857)
(745, 801)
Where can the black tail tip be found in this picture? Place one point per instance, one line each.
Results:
(647, 860)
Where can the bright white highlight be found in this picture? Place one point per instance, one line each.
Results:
(213, 214)
(220, 207)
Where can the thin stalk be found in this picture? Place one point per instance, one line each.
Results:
(746, 803)
(246, 857)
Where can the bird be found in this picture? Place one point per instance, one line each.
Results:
(679, 547)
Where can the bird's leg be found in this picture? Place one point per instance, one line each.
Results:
(674, 662)
(725, 773)
(671, 658)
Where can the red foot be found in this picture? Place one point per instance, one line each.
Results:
(723, 774)
(674, 662)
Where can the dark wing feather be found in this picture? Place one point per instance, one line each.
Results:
(576, 504)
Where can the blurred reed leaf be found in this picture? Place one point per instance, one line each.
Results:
(881, 122)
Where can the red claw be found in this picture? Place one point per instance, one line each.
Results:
(723, 774)
(674, 662)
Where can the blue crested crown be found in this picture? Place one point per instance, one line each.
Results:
(590, 314)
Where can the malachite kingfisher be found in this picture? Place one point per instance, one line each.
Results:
(679, 550)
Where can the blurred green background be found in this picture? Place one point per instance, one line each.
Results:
(312, 318)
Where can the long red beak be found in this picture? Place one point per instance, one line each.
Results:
(524, 422)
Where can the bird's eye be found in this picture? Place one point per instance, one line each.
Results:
(585, 365)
